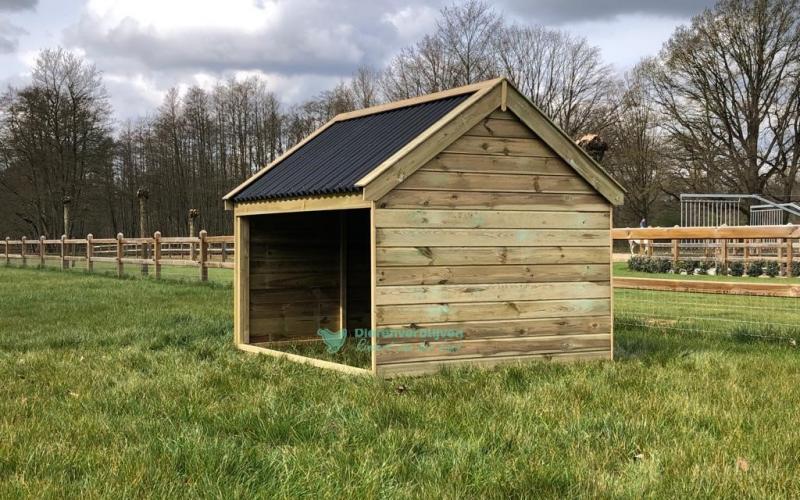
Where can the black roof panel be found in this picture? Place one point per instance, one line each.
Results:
(333, 161)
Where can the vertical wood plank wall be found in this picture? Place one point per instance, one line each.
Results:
(499, 238)
(294, 275)
(307, 268)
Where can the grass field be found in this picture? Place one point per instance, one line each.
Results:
(131, 388)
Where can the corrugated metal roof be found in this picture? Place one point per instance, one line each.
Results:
(334, 160)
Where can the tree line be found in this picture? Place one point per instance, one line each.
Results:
(717, 110)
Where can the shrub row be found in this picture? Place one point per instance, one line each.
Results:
(754, 267)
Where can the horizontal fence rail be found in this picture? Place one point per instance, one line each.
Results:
(723, 245)
(150, 255)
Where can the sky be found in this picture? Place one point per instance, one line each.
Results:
(145, 47)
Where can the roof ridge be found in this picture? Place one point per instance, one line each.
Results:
(412, 101)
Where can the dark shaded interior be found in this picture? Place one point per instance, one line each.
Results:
(308, 271)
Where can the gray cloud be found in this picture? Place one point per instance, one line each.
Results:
(13, 5)
(566, 11)
(328, 39)
(9, 36)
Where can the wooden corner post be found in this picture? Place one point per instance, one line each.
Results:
(241, 280)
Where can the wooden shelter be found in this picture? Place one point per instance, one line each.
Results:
(463, 211)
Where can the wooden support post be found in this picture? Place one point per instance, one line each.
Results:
(746, 251)
(241, 280)
(8, 258)
(157, 253)
(650, 245)
(89, 253)
(203, 256)
(676, 254)
(780, 257)
(120, 255)
(64, 262)
(224, 251)
(42, 262)
(724, 257)
(342, 270)
(789, 256)
(22, 251)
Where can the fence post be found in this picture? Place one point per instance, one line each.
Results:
(780, 257)
(157, 253)
(203, 256)
(42, 262)
(789, 251)
(676, 254)
(120, 255)
(63, 252)
(89, 253)
(224, 252)
(22, 251)
(8, 258)
(724, 256)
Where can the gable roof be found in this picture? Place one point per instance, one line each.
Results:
(375, 149)
(334, 160)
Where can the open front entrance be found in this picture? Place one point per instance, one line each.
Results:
(309, 284)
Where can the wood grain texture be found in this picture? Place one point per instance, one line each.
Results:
(490, 219)
(455, 162)
(496, 292)
(507, 183)
(506, 146)
(400, 237)
(466, 200)
(525, 346)
(461, 256)
(497, 328)
(508, 273)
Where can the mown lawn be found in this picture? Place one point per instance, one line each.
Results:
(130, 388)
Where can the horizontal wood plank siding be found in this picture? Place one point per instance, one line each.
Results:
(499, 239)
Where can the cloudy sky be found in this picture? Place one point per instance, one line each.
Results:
(144, 47)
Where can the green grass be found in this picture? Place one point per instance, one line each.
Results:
(621, 271)
(131, 388)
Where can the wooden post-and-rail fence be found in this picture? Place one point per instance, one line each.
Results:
(202, 252)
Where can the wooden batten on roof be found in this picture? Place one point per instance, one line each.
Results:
(485, 98)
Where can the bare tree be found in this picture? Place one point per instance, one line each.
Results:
(56, 142)
(563, 75)
(637, 155)
(728, 86)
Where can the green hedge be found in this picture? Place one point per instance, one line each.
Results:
(643, 264)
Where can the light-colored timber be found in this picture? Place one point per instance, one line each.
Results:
(491, 223)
